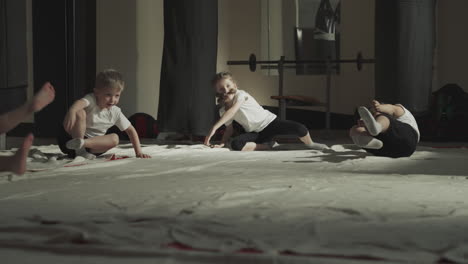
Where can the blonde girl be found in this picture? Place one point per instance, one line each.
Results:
(260, 125)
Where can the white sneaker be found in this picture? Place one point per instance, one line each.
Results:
(367, 142)
(372, 126)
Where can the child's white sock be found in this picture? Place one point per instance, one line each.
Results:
(373, 127)
(85, 154)
(367, 142)
(75, 144)
(317, 146)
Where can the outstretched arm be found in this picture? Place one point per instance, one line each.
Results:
(133, 135)
(393, 110)
(228, 115)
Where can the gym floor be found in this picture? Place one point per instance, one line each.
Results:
(193, 204)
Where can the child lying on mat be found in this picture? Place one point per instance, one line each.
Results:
(260, 124)
(9, 120)
(387, 130)
(88, 119)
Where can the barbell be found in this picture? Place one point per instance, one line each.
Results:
(252, 62)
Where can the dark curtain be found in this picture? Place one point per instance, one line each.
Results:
(64, 53)
(404, 43)
(13, 60)
(186, 102)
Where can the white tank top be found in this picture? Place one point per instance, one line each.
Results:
(409, 119)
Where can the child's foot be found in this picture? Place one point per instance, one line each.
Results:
(85, 154)
(75, 144)
(373, 127)
(272, 144)
(42, 98)
(317, 146)
(381, 108)
(18, 165)
(367, 142)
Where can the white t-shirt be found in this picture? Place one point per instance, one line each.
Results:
(251, 115)
(409, 119)
(99, 120)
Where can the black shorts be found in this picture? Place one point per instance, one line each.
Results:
(62, 139)
(275, 128)
(400, 140)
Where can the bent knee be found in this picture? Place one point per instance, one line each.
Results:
(237, 145)
(357, 130)
(81, 114)
(114, 139)
(302, 130)
(353, 131)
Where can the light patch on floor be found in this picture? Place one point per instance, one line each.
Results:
(193, 204)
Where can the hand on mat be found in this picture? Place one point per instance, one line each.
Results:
(217, 145)
(208, 138)
(143, 156)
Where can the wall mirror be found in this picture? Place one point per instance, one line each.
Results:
(301, 30)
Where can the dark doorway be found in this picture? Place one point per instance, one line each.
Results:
(64, 37)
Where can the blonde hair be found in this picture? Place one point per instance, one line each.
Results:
(109, 78)
(220, 99)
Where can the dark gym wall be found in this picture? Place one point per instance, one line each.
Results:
(13, 58)
(186, 101)
(64, 48)
(404, 44)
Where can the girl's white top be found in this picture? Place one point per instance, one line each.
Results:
(409, 119)
(251, 115)
(99, 120)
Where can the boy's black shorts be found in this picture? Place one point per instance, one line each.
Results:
(400, 140)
